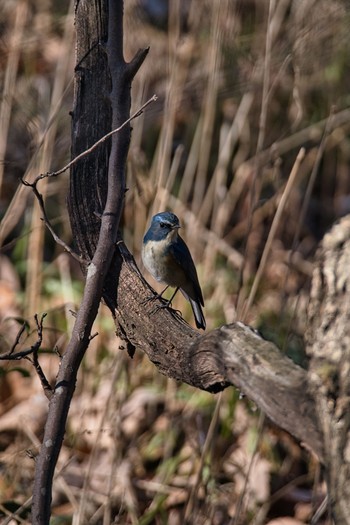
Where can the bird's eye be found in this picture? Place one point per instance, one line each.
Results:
(162, 224)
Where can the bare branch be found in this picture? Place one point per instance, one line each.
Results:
(46, 220)
(233, 355)
(39, 196)
(11, 356)
(35, 359)
(95, 145)
(99, 236)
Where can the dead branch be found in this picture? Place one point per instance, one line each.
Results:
(16, 356)
(35, 358)
(93, 147)
(110, 205)
(31, 354)
(232, 355)
(88, 151)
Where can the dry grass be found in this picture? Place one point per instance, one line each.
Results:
(242, 87)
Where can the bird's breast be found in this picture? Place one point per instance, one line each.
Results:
(160, 263)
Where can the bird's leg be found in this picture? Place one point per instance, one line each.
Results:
(156, 296)
(172, 297)
(167, 303)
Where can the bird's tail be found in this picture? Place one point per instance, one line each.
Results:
(198, 314)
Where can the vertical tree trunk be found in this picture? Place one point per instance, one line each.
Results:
(91, 119)
(102, 101)
(329, 372)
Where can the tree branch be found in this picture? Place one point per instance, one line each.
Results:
(231, 355)
(93, 147)
(35, 359)
(39, 196)
(110, 202)
(47, 222)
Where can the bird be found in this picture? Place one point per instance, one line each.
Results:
(167, 258)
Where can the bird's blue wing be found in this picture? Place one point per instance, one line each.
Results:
(182, 256)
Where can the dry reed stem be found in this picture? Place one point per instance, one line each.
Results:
(17, 205)
(209, 109)
(191, 163)
(220, 212)
(260, 517)
(179, 61)
(67, 288)
(11, 516)
(312, 179)
(240, 504)
(190, 507)
(266, 80)
(10, 81)
(174, 168)
(221, 208)
(80, 517)
(307, 197)
(37, 233)
(256, 182)
(275, 223)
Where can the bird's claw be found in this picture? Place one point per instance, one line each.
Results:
(152, 298)
(166, 305)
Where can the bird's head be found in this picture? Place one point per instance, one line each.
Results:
(164, 225)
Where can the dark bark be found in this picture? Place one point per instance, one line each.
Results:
(95, 209)
(91, 119)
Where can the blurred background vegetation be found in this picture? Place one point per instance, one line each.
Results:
(248, 143)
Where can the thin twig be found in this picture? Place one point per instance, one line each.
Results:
(39, 196)
(33, 351)
(94, 146)
(272, 232)
(208, 441)
(11, 356)
(235, 519)
(46, 220)
(35, 360)
(18, 337)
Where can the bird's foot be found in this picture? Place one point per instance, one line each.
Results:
(154, 297)
(167, 305)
